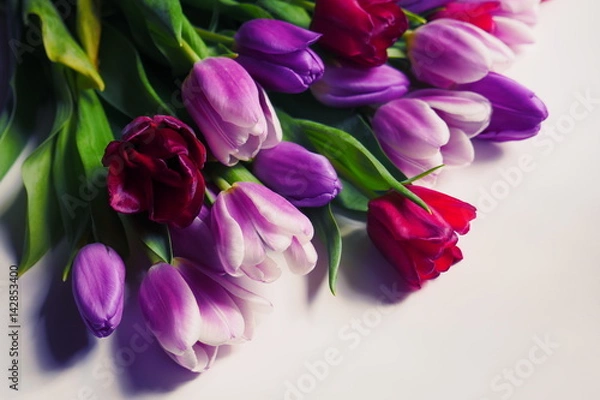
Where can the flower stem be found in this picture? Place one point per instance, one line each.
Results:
(190, 53)
(221, 183)
(214, 37)
(414, 18)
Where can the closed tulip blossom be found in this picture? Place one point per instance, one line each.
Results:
(156, 167)
(517, 113)
(98, 287)
(277, 55)
(359, 30)
(412, 135)
(192, 310)
(419, 244)
(466, 114)
(304, 178)
(233, 113)
(445, 52)
(251, 224)
(351, 86)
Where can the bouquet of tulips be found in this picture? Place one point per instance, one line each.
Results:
(191, 147)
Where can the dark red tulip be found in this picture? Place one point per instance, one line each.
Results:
(155, 167)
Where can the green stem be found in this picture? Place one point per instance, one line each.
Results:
(210, 198)
(414, 18)
(190, 53)
(214, 37)
(307, 5)
(221, 183)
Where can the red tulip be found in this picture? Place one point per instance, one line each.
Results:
(155, 167)
(418, 244)
(359, 30)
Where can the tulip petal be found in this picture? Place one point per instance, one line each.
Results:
(454, 211)
(459, 151)
(301, 258)
(170, 309)
(221, 319)
(199, 358)
(98, 287)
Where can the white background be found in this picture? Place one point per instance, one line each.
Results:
(531, 273)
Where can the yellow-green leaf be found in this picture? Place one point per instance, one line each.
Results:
(60, 46)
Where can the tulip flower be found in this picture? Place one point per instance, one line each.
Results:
(192, 310)
(350, 86)
(98, 287)
(251, 224)
(276, 55)
(359, 30)
(233, 113)
(304, 178)
(411, 134)
(517, 113)
(465, 113)
(155, 167)
(419, 244)
(446, 51)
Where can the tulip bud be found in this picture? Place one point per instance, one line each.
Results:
(233, 113)
(277, 56)
(347, 86)
(419, 244)
(98, 287)
(304, 178)
(517, 113)
(466, 114)
(251, 224)
(411, 134)
(446, 51)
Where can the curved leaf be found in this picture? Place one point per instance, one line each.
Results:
(127, 86)
(89, 27)
(60, 46)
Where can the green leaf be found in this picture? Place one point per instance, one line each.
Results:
(154, 236)
(181, 58)
(329, 233)
(164, 18)
(60, 46)
(240, 12)
(31, 91)
(89, 27)
(353, 161)
(43, 227)
(92, 137)
(93, 133)
(351, 198)
(288, 12)
(127, 86)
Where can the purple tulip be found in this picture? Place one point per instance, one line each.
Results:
(277, 56)
(234, 114)
(304, 178)
(192, 310)
(350, 86)
(251, 224)
(517, 113)
(98, 287)
(411, 134)
(466, 113)
(446, 51)
(419, 6)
